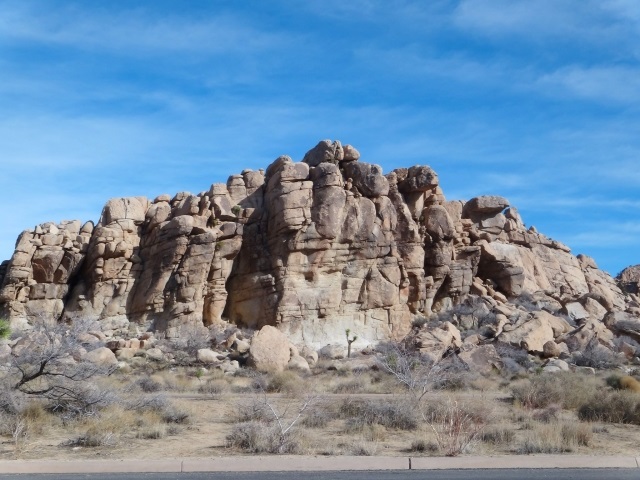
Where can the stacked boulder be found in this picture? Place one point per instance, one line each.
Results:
(314, 248)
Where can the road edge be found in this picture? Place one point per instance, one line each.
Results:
(290, 463)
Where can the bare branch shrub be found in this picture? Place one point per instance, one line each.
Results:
(190, 339)
(456, 425)
(43, 362)
(416, 372)
(268, 425)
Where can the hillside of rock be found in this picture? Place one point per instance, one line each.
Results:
(313, 248)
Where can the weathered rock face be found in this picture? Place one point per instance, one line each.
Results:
(629, 279)
(313, 248)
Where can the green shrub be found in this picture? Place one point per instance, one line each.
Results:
(5, 329)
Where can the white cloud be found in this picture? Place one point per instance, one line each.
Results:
(620, 84)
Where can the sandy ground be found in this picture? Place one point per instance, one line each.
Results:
(211, 419)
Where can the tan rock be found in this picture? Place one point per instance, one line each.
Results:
(298, 363)
(483, 359)
(269, 350)
(101, 356)
(206, 355)
(535, 332)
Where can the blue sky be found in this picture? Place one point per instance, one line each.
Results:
(538, 101)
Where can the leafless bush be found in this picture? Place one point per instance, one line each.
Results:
(190, 339)
(414, 371)
(258, 437)
(272, 428)
(456, 425)
(43, 361)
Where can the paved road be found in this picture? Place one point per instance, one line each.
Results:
(503, 474)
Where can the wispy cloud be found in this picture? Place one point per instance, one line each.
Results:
(620, 84)
(132, 31)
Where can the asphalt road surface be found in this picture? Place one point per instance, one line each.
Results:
(502, 474)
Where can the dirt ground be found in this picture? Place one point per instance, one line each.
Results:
(212, 405)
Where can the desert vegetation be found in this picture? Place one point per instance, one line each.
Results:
(60, 398)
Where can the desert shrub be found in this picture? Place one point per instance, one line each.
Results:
(153, 431)
(548, 414)
(614, 407)
(157, 404)
(285, 382)
(148, 385)
(83, 400)
(618, 341)
(613, 381)
(419, 321)
(214, 387)
(40, 363)
(577, 433)
(363, 449)
(499, 435)
(456, 425)
(453, 375)
(258, 437)
(566, 390)
(252, 410)
(318, 418)
(596, 356)
(409, 368)
(93, 438)
(527, 302)
(514, 354)
(398, 415)
(190, 339)
(11, 401)
(5, 329)
(423, 446)
(555, 438)
(352, 385)
(629, 383)
(172, 414)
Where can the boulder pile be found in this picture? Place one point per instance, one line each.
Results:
(313, 248)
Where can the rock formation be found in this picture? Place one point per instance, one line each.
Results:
(313, 248)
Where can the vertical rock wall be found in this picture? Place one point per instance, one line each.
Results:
(313, 247)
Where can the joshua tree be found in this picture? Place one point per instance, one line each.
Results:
(349, 341)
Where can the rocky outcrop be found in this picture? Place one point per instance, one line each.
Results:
(629, 279)
(312, 248)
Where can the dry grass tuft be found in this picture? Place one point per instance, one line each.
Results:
(556, 438)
